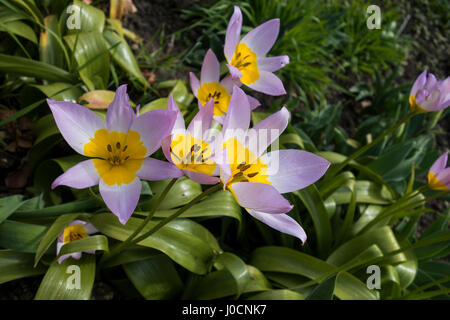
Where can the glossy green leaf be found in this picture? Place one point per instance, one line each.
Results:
(155, 278)
(184, 241)
(19, 28)
(50, 50)
(383, 237)
(60, 91)
(16, 265)
(124, 57)
(32, 68)
(220, 284)
(285, 260)
(237, 268)
(366, 192)
(9, 205)
(92, 57)
(98, 242)
(180, 194)
(84, 18)
(52, 233)
(324, 291)
(310, 197)
(278, 294)
(221, 203)
(60, 281)
(21, 237)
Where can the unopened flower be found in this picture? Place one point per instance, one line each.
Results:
(76, 230)
(189, 149)
(439, 174)
(210, 86)
(257, 178)
(120, 148)
(247, 59)
(429, 94)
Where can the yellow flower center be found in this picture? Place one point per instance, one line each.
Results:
(244, 59)
(74, 232)
(190, 153)
(218, 93)
(245, 166)
(118, 155)
(414, 106)
(434, 182)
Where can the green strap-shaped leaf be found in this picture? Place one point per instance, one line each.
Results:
(278, 294)
(53, 232)
(16, 265)
(19, 28)
(21, 237)
(155, 278)
(221, 203)
(98, 242)
(33, 68)
(70, 280)
(237, 268)
(285, 260)
(220, 284)
(57, 210)
(184, 241)
(310, 197)
(9, 205)
(324, 291)
(60, 91)
(50, 50)
(123, 56)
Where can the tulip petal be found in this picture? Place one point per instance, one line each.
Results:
(260, 197)
(291, 170)
(201, 123)
(210, 68)
(228, 83)
(444, 177)
(254, 103)
(233, 33)
(154, 126)
(153, 169)
(121, 200)
(281, 222)
(439, 164)
(120, 115)
(76, 123)
(269, 129)
(195, 83)
(273, 64)
(419, 83)
(179, 125)
(261, 39)
(238, 115)
(82, 175)
(201, 177)
(268, 83)
(235, 73)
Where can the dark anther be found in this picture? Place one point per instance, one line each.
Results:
(239, 174)
(241, 165)
(127, 157)
(109, 148)
(125, 148)
(251, 175)
(118, 145)
(245, 167)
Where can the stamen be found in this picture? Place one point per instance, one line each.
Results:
(125, 148)
(240, 165)
(245, 167)
(118, 145)
(109, 148)
(251, 175)
(127, 157)
(173, 153)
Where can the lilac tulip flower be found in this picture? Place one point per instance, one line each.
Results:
(189, 149)
(120, 148)
(429, 94)
(76, 230)
(247, 59)
(209, 86)
(257, 178)
(439, 175)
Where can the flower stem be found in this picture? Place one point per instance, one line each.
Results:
(180, 211)
(117, 249)
(332, 172)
